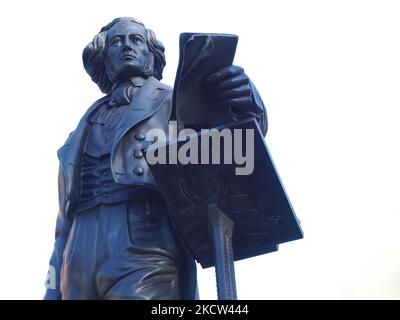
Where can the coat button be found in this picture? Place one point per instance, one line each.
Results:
(138, 170)
(138, 154)
(140, 136)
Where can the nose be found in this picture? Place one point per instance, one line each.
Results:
(127, 45)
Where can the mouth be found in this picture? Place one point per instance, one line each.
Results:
(126, 57)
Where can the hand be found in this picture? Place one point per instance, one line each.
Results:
(231, 87)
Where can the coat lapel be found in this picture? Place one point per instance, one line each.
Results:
(144, 104)
(147, 101)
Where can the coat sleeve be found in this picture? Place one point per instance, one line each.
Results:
(63, 226)
(257, 111)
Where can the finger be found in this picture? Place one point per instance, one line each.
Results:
(225, 73)
(242, 91)
(241, 103)
(226, 84)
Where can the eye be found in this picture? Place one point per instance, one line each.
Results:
(116, 41)
(136, 39)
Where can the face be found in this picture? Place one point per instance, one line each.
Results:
(127, 52)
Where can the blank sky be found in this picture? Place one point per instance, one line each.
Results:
(329, 74)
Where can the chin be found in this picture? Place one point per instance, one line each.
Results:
(131, 71)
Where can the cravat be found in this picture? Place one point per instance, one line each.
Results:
(121, 96)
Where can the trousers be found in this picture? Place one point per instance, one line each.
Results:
(124, 250)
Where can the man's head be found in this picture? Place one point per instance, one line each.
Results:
(124, 48)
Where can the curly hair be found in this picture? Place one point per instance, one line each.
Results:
(94, 55)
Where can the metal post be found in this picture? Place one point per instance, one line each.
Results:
(221, 227)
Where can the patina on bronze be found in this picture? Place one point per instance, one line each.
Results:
(221, 215)
(114, 237)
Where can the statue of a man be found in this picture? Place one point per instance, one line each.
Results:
(114, 239)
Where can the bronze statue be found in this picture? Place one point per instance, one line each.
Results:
(114, 238)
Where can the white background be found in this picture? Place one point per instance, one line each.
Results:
(329, 73)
